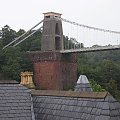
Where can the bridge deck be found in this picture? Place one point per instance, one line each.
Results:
(91, 49)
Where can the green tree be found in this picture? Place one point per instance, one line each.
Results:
(1, 55)
(12, 63)
(7, 35)
(109, 70)
(32, 43)
(20, 32)
(26, 64)
(96, 87)
(112, 87)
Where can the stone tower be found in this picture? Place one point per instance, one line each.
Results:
(53, 70)
(52, 36)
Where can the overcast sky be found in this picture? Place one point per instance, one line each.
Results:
(26, 13)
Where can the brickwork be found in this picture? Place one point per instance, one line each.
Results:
(53, 70)
(69, 74)
(48, 75)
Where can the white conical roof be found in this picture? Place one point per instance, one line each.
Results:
(82, 79)
(83, 84)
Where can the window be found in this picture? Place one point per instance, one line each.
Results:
(47, 16)
(57, 29)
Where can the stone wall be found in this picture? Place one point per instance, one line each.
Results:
(53, 70)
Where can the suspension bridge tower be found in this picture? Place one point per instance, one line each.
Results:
(52, 69)
(52, 36)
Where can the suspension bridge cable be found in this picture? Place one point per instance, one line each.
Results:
(27, 36)
(22, 35)
(85, 26)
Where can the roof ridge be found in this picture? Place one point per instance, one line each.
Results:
(9, 82)
(96, 95)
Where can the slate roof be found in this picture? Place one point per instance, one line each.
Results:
(68, 105)
(8, 82)
(83, 84)
(19, 103)
(15, 102)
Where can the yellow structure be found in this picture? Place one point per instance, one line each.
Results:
(26, 79)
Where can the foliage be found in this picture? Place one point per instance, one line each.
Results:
(32, 43)
(112, 87)
(7, 35)
(71, 43)
(104, 68)
(1, 55)
(12, 59)
(96, 87)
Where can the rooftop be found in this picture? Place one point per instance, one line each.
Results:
(52, 13)
(82, 79)
(8, 82)
(70, 105)
(19, 103)
(15, 102)
(83, 84)
(74, 94)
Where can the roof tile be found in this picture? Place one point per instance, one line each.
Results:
(79, 107)
(15, 102)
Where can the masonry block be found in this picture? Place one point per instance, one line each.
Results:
(53, 70)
